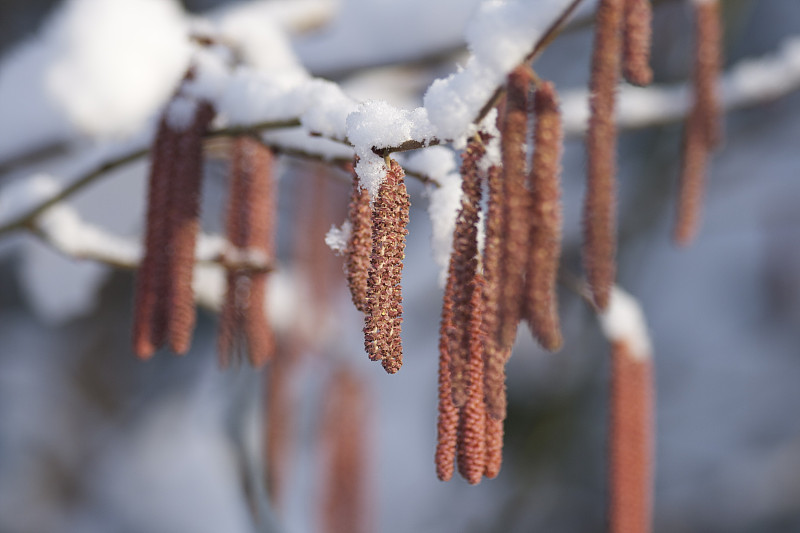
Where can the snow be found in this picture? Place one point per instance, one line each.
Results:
(379, 31)
(441, 164)
(63, 228)
(288, 15)
(22, 195)
(377, 124)
(181, 113)
(337, 238)
(326, 109)
(740, 348)
(624, 321)
(211, 66)
(111, 63)
(499, 37)
(258, 38)
(749, 81)
(493, 156)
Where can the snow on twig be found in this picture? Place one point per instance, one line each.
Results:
(750, 82)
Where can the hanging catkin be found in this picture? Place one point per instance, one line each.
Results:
(494, 447)
(463, 266)
(631, 440)
(164, 296)
(496, 355)
(636, 44)
(345, 453)
(545, 220)
(447, 422)
(250, 230)
(703, 130)
(359, 244)
(384, 299)
(471, 441)
(599, 222)
(515, 204)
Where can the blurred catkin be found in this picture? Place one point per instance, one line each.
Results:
(359, 244)
(164, 296)
(637, 40)
(250, 230)
(631, 441)
(599, 219)
(545, 220)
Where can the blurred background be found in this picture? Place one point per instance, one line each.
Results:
(93, 440)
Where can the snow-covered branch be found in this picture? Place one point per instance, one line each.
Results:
(63, 229)
(750, 82)
(249, 101)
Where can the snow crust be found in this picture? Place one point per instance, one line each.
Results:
(624, 321)
(377, 124)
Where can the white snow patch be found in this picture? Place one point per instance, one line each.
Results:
(499, 36)
(624, 321)
(337, 238)
(64, 229)
(111, 63)
(378, 124)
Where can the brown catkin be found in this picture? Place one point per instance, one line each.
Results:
(495, 355)
(149, 325)
(384, 316)
(515, 199)
(463, 266)
(279, 427)
(447, 421)
(631, 441)
(494, 447)
(359, 244)
(184, 219)
(692, 182)
(345, 456)
(637, 40)
(250, 229)
(471, 441)
(599, 223)
(545, 220)
(703, 130)
(164, 296)
(707, 61)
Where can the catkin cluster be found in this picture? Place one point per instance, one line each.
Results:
(487, 295)
(384, 316)
(164, 302)
(488, 292)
